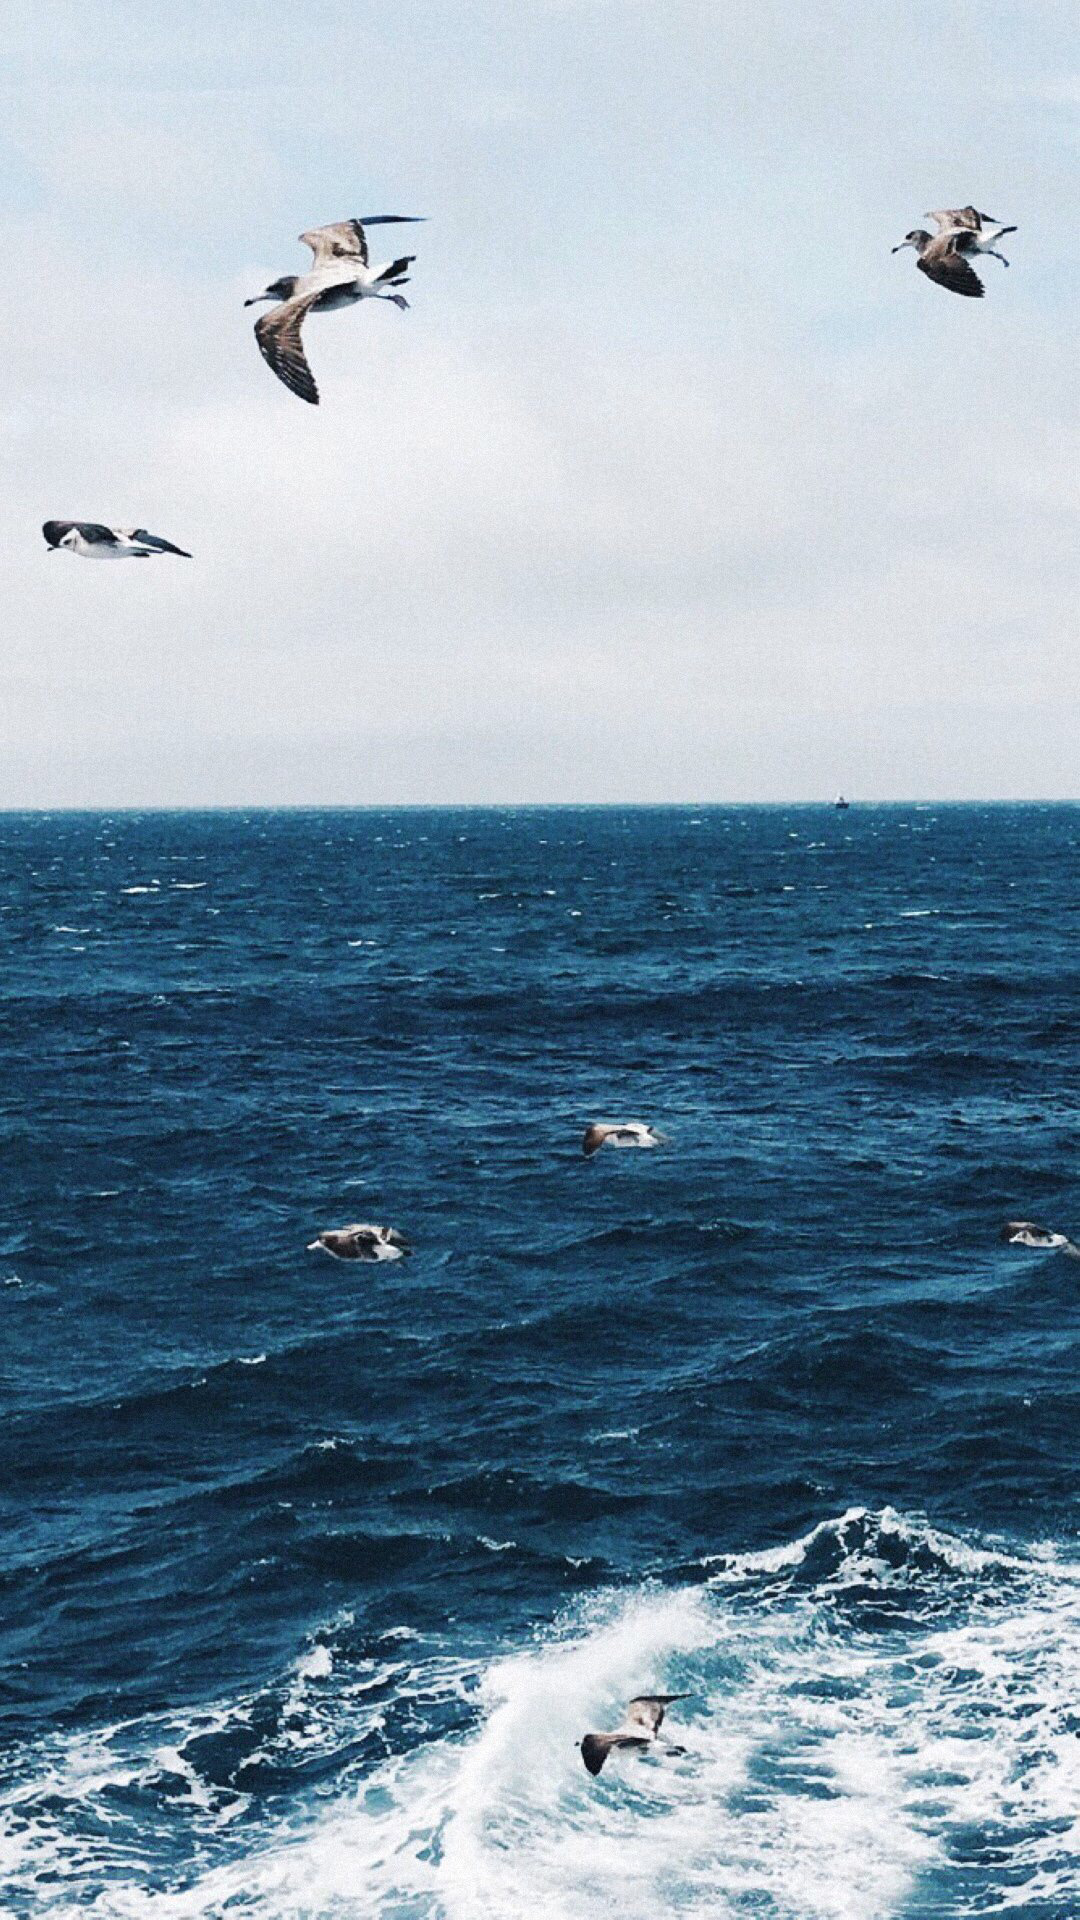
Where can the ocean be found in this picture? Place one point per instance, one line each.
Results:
(314, 1574)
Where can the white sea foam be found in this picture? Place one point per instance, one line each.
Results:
(316, 1665)
(867, 1703)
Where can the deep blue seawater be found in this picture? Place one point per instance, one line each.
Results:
(313, 1574)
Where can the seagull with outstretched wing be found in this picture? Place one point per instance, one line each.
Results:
(1025, 1233)
(361, 1241)
(341, 274)
(985, 231)
(640, 1729)
(93, 541)
(943, 258)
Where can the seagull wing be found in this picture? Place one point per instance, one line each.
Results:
(346, 239)
(647, 1710)
(596, 1746)
(155, 541)
(957, 219)
(94, 533)
(943, 262)
(343, 240)
(1012, 1227)
(364, 1239)
(278, 335)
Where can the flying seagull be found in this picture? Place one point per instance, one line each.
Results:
(984, 229)
(640, 1729)
(361, 1242)
(622, 1133)
(1024, 1233)
(96, 542)
(340, 275)
(942, 257)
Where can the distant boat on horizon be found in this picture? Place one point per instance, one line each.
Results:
(841, 804)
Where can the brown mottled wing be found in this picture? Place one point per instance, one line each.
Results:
(947, 266)
(596, 1746)
(343, 240)
(278, 335)
(363, 1240)
(647, 1709)
(952, 219)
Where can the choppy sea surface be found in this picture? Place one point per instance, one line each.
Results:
(313, 1574)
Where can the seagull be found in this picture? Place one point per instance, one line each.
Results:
(982, 226)
(622, 1133)
(942, 258)
(361, 1242)
(340, 275)
(1024, 1233)
(95, 542)
(640, 1729)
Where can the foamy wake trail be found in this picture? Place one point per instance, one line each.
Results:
(882, 1724)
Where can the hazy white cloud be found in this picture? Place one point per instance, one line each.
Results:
(673, 483)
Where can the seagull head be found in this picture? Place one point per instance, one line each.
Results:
(915, 238)
(282, 289)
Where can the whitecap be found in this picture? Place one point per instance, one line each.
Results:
(831, 1770)
(316, 1665)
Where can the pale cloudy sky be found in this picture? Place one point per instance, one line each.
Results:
(673, 483)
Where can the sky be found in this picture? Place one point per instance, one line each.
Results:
(673, 484)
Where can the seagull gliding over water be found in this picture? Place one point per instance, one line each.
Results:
(622, 1133)
(361, 1242)
(1024, 1233)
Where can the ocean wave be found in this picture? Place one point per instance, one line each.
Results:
(838, 1760)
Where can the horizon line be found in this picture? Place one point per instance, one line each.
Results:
(522, 806)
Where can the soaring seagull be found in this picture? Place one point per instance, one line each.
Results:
(621, 1133)
(943, 258)
(640, 1729)
(340, 275)
(361, 1242)
(95, 542)
(982, 226)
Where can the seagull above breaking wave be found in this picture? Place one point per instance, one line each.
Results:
(361, 1242)
(1024, 1233)
(95, 542)
(341, 274)
(640, 1729)
(619, 1133)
